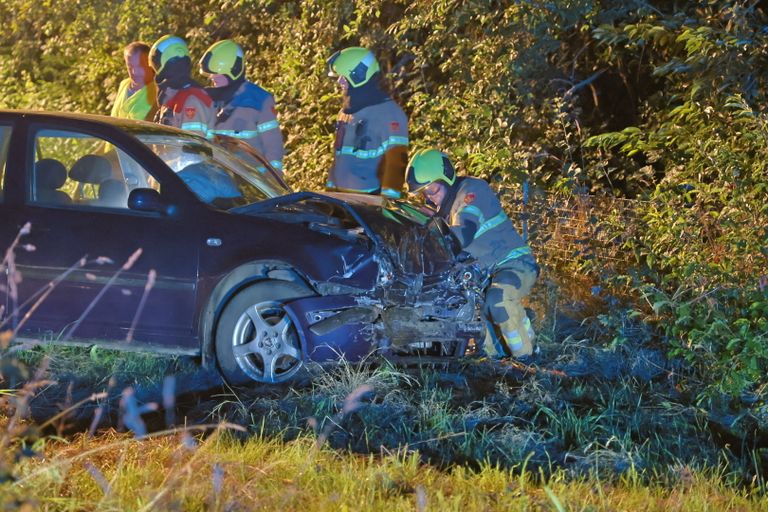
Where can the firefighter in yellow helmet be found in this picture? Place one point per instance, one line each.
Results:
(137, 95)
(183, 103)
(242, 109)
(371, 148)
(474, 213)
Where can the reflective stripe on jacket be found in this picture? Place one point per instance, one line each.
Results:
(362, 140)
(190, 109)
(140, 105)
(495, 241)
(251, 115)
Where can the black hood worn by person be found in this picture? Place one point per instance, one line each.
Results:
(177, 74)
(225, 94)
(182, 102)
(370, 93)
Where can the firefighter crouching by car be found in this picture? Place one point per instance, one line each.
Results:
(371, 147)
(475, 215)
(183, 103)
(242, 109)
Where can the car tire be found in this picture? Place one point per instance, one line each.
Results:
(256, 341)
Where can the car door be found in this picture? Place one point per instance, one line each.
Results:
(99, 272)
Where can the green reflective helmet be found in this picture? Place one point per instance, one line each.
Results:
(357, 65)
(223, 58)
(428, 166)
(166, 48)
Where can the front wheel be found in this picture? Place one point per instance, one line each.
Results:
(256, 340)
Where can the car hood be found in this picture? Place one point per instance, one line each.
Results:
(411, 241)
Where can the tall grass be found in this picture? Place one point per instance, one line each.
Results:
(118, 472)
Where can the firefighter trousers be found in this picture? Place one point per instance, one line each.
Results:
(509, 285)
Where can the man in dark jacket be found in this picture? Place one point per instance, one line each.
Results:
(476, 217)
(371, 148)
(243, 109)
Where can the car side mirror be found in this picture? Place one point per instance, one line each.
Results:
(146, 200)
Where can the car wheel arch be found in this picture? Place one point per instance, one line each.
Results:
(230, 285)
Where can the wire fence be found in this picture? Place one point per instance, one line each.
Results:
(588, 231)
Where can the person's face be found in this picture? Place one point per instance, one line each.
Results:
(435, 192)
(219, 80)
(138, 68)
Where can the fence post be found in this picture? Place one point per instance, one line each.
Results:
(525, 211)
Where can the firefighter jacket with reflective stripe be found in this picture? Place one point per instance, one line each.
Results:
(476, 216)
(190, 109)
(251, 115)
(370, 149)
(140, 105)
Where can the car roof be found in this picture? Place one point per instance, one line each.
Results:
(126, 124)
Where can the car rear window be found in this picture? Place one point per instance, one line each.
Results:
(80, 169)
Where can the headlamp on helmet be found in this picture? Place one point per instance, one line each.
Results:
(427, 167)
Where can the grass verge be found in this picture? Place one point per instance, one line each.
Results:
(179, 472)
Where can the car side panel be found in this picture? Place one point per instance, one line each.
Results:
(112, 277)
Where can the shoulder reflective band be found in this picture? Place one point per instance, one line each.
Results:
(472, 210)
(393, 140)
(491, 223)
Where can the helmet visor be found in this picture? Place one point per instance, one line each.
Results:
(330, 61)
(156, 59)
(412, 183)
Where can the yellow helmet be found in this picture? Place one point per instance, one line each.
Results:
(223, 58)
(166, 48)
(428, 166)
(355, 64)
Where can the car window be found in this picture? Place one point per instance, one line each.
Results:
(5, 139)
(247, 154)
(213, 174)
(82, 170)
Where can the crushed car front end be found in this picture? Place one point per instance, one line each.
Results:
(421, 303)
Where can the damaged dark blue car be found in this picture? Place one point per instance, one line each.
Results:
(136, 236)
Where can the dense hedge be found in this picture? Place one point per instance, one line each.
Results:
(660, 100)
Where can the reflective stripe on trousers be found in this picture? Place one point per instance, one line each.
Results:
(508, 312)
(516, 340)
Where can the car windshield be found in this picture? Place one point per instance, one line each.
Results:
(216, 176)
